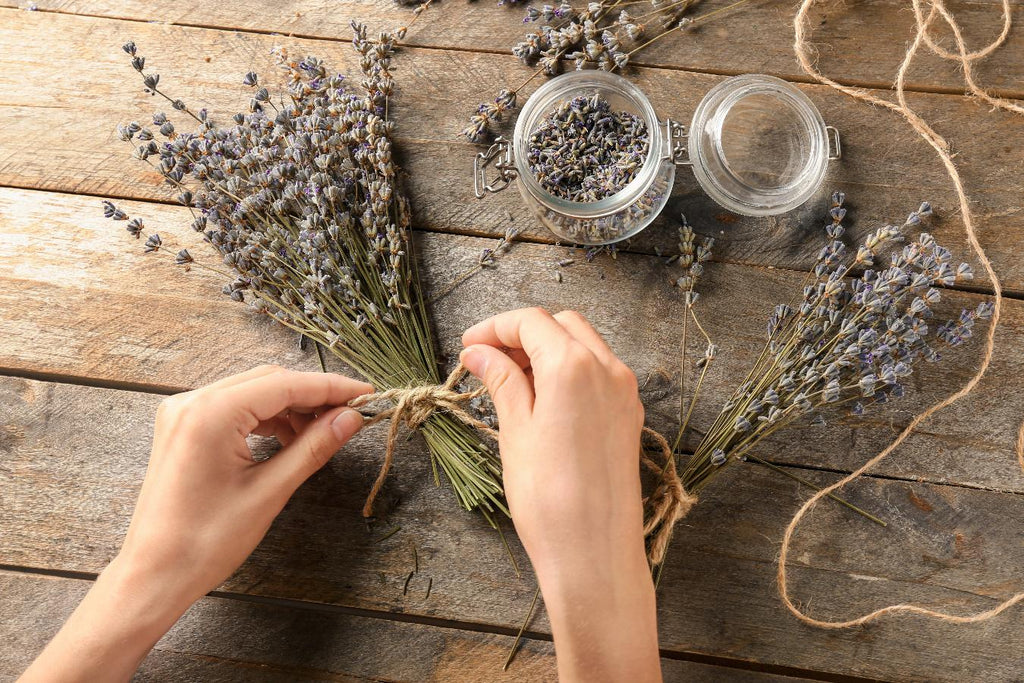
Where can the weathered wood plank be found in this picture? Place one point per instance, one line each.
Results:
(86, 88)
(80, 299)
(861, 43)
(224, 639)
(72, 459)
(221, 639)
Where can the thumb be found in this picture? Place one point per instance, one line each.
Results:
(312, 448)
(508, 385)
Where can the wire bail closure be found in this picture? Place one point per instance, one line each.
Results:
(833, 136)
(677, 138)
(500, 155)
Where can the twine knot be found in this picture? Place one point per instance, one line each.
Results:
(412, 406)
(669, 501)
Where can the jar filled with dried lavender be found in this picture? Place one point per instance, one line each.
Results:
(596, 165)
(592, 159)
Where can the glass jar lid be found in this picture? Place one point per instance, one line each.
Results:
(758, 145)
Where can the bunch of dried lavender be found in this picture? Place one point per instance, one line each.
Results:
(584, 151)
(300, 199)
(602, 34)
(851, 341)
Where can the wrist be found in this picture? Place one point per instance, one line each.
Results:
(150, 597)
(124, 614)
(604, 621)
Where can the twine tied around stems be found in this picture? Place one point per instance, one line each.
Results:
(668, 503)
(413, 405)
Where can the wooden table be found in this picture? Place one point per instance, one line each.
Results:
(92, 334)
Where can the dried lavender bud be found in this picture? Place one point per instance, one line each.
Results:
(583, 151)
(488, 114)
(153, 243)
(112, 212)
(251, 79)
(184, 258)
(135, 227)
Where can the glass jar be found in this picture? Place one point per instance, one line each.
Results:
(758, 147)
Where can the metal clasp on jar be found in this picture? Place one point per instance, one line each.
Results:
(676, 137)
(499, 154)
(833, 136)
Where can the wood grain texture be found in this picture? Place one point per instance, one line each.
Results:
(225, 639)
(862, 43)
(80, 299)
(72, 459)
(78, 302)
(59, 136)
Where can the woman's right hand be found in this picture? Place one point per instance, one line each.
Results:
(570, 421)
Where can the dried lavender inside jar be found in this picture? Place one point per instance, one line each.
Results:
(583, 151)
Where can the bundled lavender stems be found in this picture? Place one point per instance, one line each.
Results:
(583, 151)
(850, 343)
(299, 197)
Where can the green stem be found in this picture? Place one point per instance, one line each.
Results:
(814, 486)
(522, 629)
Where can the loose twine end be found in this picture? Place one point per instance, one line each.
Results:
(413, 406)
(965, 59)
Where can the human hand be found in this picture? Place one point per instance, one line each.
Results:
(570, 420)
(204, 506)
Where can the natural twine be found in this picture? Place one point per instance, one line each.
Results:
(414, 405)
(965, 59)
(668, 503)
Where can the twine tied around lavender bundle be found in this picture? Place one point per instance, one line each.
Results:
(413, 405)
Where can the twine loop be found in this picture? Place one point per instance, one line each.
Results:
(413, 406)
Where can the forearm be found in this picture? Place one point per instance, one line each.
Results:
(604, 622)
(113, 629)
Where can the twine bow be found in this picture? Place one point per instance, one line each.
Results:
(413, 405)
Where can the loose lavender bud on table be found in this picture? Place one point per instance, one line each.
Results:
(584, 151)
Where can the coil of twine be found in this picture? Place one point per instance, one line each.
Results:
(965, 60)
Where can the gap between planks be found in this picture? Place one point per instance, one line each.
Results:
(474, 627)
(855, 83)
(163, 390)
(521, 238)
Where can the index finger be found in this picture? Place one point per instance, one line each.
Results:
(263, 397)
(533, 330)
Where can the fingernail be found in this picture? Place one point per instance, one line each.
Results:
(474, 360)
(346, 423)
